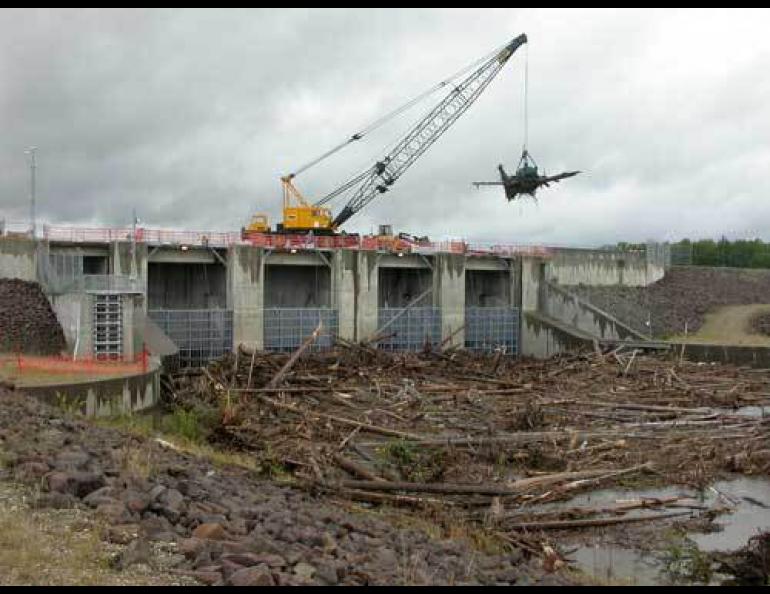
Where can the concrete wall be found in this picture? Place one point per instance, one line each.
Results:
(533, 271)
(75, 314)
(560, 304)
(542, 337)
(297, 286)
(399, 286)
(186, 286)
(18, 258)
(449, 275)
(554, 320)
(367, 290)
(245, 294)
(344, 281)
(488, 288)
(600, 267)
(752, 356)
(105, 397)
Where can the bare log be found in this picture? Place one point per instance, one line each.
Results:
(355, 468)
(515, 488)
(296, 355)
(343, 420)
(588, 523)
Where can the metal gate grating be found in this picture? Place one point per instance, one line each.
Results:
(413, 328)
(108, 326)
(286, 328)
(490, 328)
(200, 334)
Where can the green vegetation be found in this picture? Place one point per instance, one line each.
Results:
(742, 253)
(684, 563)
(414, 464)
(186, 431)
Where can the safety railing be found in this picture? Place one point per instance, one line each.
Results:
(192, 238)
(86, 234)
(150, 236)
(15, 228)
(287, 242)
(110, 283)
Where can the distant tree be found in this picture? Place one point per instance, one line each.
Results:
(741, 253)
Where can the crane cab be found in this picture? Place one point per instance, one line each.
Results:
(306, 217)
(258, 224)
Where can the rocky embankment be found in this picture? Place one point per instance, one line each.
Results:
(230, 527)
(28, 324)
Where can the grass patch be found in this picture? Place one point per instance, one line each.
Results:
(190, 426)
(65, 548)
(441, 525)
(422, 465)
(186, 431)
(36, 551)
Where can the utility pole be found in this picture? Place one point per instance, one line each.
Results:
(134, 264)
(32, 152)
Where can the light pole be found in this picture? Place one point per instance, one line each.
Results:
(32, 152)
(134, 265)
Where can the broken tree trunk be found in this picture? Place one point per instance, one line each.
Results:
(343, 420)
(297, 354)
(514, 488)
(566, 524)
(355, 468)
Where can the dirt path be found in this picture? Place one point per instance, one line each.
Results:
(730, 324)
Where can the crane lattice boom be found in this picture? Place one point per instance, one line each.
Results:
(385, 172)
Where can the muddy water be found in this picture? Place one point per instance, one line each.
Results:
(748, 497)
(752, 411)
(619, 565)
(750, 516)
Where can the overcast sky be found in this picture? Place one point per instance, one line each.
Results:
(191, 116)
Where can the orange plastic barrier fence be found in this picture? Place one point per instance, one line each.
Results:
(19, 363)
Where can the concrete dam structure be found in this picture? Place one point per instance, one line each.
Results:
(208, 293)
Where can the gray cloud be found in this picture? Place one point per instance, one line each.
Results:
(190, 116)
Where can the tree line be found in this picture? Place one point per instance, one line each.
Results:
(741, 253)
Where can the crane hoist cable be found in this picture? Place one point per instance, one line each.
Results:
(527, 166)
(526, 98)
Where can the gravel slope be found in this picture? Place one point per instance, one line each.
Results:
(684, 296)
(28, 324)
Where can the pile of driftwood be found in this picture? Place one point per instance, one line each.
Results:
(488, 436)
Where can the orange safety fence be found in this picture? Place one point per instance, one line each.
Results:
(19, 364)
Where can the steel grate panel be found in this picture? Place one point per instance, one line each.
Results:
(107, 329)
(490, 328)
(286, 328)
(413, 328)
(200, 334)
